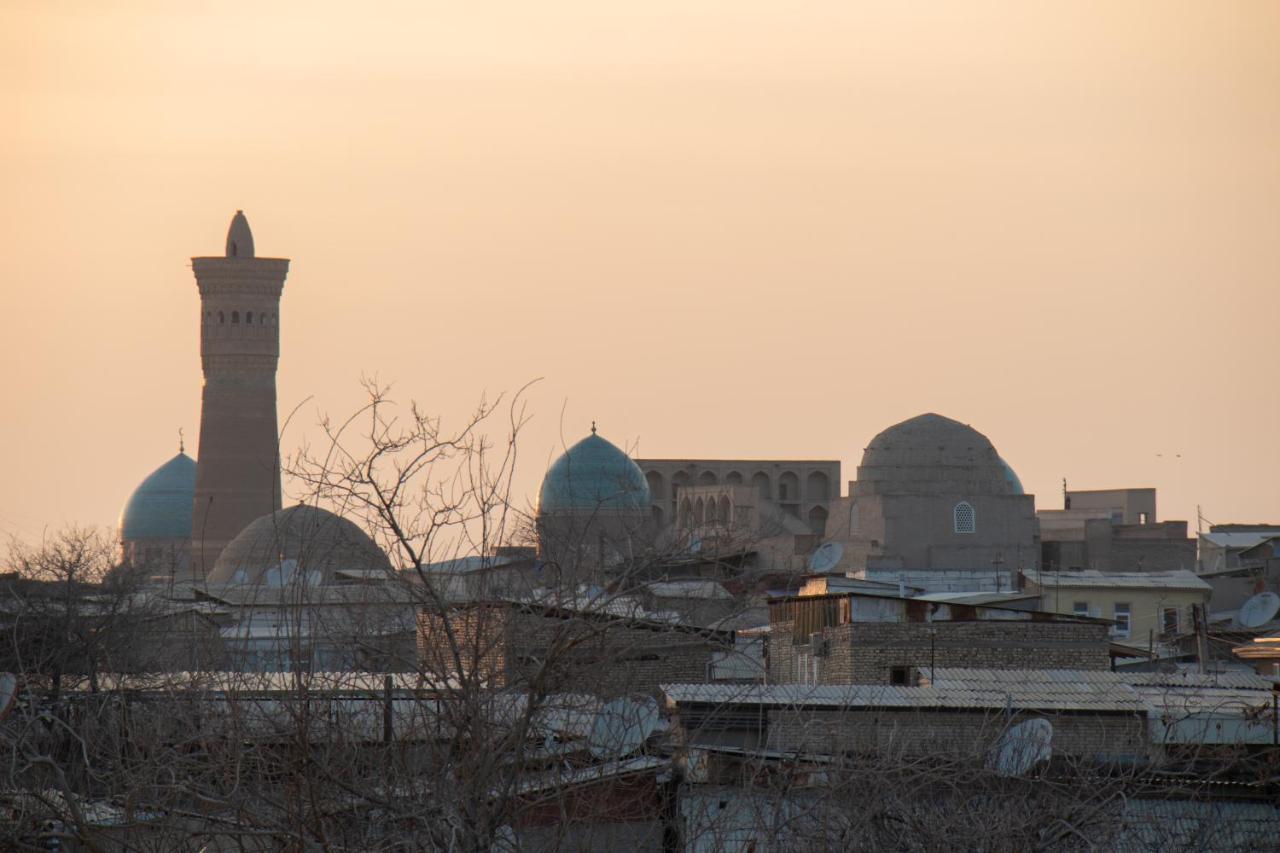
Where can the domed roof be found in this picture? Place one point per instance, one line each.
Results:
(160, 508)
(1011, 477)
(300, 541)
(593, 475)
(932, 454)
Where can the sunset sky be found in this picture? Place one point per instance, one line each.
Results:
(720, 229)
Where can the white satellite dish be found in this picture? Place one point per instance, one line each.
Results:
(622, 726)
(1022, 747)
(8, 693)
(1259, 610)
(826, 557)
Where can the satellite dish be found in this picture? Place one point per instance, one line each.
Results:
(826, 557)
(622, 726)
(1022, 747)
(8, 693)
(1259, 610)
(695, 544)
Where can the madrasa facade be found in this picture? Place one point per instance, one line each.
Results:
(932, 498)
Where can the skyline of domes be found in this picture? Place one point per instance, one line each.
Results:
(593, 474)
(301, 541)
(160, 506)
(932, 453)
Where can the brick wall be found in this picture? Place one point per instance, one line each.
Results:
(926, 731)
(867, 652)
(605, 656)
(565, 653)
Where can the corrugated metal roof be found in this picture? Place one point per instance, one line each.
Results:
(964, 677)
(1130, 580)
(1064, 697)
(1239, 540)
(688, 589)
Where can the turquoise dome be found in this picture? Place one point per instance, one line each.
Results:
(593, 475)
(1011, 477)
(160, 508)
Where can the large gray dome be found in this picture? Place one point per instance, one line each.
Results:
(301, 541)
(932, 454)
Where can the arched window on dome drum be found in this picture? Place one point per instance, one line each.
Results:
(964, 519)
(235, 316)
(248, 316)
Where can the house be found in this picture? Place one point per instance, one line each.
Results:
(1143, 605)
(875, 638)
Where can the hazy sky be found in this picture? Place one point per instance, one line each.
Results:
(737, 229)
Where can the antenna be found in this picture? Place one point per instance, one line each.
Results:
(1022, 747)
(826, 557)
(1259, 610)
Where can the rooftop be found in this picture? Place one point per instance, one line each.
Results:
(1180, 579)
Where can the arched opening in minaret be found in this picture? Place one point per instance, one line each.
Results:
(235, 250)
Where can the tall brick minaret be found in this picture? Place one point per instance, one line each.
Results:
(238, 464)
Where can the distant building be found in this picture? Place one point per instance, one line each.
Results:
(933, 495)
(238, 466)
(596, 646)
(1234, 546)
(800, 488)
(1142, 605)
(878, 638)
(1113, 530)
(155, 524)
(593, 510)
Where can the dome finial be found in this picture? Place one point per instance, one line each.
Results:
(593, 427)
(182, 447)
(239, 237)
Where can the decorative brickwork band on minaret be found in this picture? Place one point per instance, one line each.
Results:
(238, 464)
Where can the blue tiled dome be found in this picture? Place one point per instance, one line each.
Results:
(1011, 477)
(593, 475)
(160, 508)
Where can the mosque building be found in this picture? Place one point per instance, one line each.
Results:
(933, 499)
(593, 509)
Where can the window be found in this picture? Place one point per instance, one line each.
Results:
(900, 675)
(1122, 619)
(1080, 608)
(964, 519)
(1169, 620)
(222, 318)
(235, 316)
(248, 316)
(1142, 518)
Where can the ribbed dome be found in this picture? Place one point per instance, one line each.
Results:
(594, 475)
(160, 508)
(932, 454)
(299, 541)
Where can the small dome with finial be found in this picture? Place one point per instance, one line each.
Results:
(160, 508)
(239, 237)
(593, 475)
